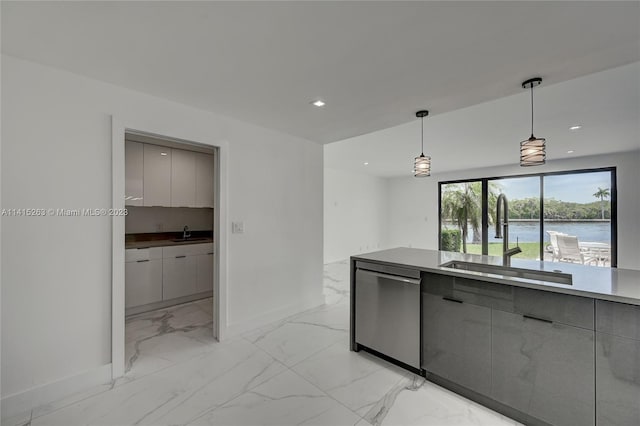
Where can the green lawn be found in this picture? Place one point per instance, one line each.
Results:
(529, 250)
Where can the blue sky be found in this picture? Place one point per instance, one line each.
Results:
(578, 188)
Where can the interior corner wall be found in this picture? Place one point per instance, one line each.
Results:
(56, 274)
(355, 214)
(417, 226)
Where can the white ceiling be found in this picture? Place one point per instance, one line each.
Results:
(374, 63)
(606, 104)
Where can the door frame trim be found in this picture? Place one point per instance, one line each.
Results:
(220, 218)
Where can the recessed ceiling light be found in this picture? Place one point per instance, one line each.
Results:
(318, 103)
(366, 164)
(163, 153)
(576, 127)
(570, 151)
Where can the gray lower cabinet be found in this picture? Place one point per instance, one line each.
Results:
(178, 276)
(457, 341)
(617, 364)
(544, 369)
(204, 273)
(143, 282)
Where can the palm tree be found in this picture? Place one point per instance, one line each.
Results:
(462, 204)
(602, 193)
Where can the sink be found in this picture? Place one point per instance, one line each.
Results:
(554, 277)
(188, 240)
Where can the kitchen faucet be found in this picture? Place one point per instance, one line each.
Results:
(185, 232)
(506, 251)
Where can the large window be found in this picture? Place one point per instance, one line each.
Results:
(561, 216)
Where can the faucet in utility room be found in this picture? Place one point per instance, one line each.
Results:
(185, 232)
(506, 251)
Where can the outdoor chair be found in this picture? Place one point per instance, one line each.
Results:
(569, 250)
(555, 253)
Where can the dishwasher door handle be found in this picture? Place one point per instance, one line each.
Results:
(392, 277)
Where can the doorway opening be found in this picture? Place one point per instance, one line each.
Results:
(171, 263)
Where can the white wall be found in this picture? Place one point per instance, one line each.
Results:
(417, 226)
(355, 214)
(56, 275)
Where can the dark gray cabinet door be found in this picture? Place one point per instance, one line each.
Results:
(543, 369)
(618, 380)
(457, 341)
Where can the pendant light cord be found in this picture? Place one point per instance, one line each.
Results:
(531, 110)
(422, 136)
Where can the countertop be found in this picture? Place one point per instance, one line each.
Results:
(614, 284)
(164, 239)
(165, 243)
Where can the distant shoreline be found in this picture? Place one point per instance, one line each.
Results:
(563, 220)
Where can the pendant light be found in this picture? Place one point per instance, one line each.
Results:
(532, 151)
(422, 163)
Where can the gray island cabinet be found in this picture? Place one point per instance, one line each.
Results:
(617, 363)
(541, 356)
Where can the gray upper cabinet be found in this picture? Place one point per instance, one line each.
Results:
(457, 341)
(617, 363)
(168, 177)
(157, 176)
(134, 160)
(205, 180)
(544, 369)
(183, 178)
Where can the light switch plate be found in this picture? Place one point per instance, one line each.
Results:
(237, 227)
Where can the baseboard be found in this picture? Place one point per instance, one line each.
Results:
(273, 316)
(25, 401)
(166, 303)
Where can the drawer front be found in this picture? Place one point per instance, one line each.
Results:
(134, 255)
(618, 319)
(187, 250)
(475, 292)
(560, 308)
(387, 269)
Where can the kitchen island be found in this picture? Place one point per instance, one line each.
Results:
(554, 343)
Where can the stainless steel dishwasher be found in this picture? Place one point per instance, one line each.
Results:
(387, 311)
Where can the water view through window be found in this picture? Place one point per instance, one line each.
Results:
(576, 224)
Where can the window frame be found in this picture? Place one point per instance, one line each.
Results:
(485, 208)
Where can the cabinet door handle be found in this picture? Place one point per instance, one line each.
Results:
(140, 261)
(209, 253)
(448, 299)
(537, 319)
(180, 257)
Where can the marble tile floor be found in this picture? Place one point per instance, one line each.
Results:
(298, 371)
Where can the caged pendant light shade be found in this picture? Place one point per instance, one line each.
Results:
(532, 150)
(422, 163)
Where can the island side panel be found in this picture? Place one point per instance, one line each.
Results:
(352, 296)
